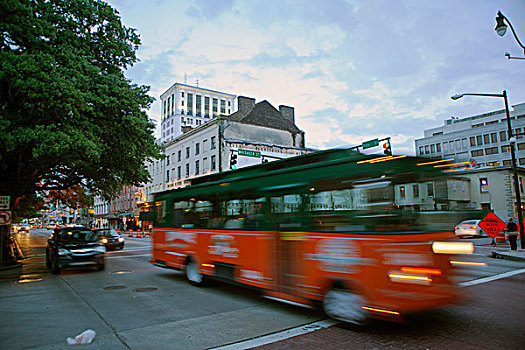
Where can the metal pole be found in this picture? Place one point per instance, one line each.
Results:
(515, 171)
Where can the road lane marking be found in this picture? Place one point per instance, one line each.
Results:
(275, 337)
(492, 278)
(126, 256)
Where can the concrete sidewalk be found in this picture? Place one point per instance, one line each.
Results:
(515, 255)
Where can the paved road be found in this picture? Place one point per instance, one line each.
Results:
(135, 305)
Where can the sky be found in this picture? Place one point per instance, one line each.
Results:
(353, 70)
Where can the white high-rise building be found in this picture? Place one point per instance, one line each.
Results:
(480, 139)
(185, 106)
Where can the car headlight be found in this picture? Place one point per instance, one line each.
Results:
(120, 239)
(104, 240)
(100, 249)
(62, 251)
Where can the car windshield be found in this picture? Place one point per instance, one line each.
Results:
(471, 222)
(71, 235)
(107, 233)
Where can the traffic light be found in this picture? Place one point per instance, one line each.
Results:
(233, 161)
(387, 149)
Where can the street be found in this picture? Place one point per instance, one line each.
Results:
(135, 305)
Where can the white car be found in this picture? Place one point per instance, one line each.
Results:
(469, 228)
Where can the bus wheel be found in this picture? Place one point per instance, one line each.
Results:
(345, 305)
(192, 273)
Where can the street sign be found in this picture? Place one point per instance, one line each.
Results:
(492, 224)
(370, 144)
(4, 202)
(5, 217)
(249, 153)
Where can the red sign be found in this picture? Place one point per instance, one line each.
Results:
(492, 224)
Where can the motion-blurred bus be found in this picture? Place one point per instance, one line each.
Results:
(326, 228)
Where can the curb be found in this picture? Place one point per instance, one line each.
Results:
(506, 256)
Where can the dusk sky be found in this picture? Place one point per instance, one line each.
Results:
(353, 70)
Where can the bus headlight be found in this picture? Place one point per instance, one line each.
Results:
(453, 247)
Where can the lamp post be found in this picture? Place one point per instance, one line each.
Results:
(501, 29)
(512, 141)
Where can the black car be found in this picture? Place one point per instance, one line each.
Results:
(74, 247)
(110, 238)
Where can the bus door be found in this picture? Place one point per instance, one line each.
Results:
(289, 223)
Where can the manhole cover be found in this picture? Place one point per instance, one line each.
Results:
(119, 272)
(147, 289)
(114, 287)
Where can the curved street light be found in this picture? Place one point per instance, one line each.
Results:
(501, 29)
(512, 154)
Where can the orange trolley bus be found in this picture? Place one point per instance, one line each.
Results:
(359, 234)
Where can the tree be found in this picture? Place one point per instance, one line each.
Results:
(69, 116)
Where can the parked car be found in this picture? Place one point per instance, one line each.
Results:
(70, 247)
(22, 228)
(469, 228)
(110, 238)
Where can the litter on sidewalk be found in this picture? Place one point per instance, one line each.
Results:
(85, 337)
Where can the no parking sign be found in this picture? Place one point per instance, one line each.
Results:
(5, 217)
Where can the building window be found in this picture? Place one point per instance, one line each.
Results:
(432, 148)
(204, 164)
(479, 140)
(415, 189)
(187, 170)
(445, 146)
(451, 145)
(507, 162)
(206, 106)
(491, 150)
(421, 150)
(464, 143)
(521, 146)
(167, 176)
(430, 189)
(486, 139)
(458, 144)
(505, 149)
(197, 149)
(212, 165)
(477, 153)
(494, 137)
(438, 147)
(223, 106)
(190, 104)
(182, 94)
(187, 152)
(503, 136)
(463, 187)
(483, 185)
(179, 154)
(492, 163)
(196, 167)
(472, 141)
(167, 160)
(204, 145)
(477, 125)
(402, 191)
(212, 146)
(427, 149)
(198, 105)
(178, 173)
(522, 161)
(214, 106)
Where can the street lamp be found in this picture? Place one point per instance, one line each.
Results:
(512, 141)
(501, 29)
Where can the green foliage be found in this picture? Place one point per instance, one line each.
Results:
(69, 116)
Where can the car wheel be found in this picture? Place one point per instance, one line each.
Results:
(48, 261)
(192, 273)
(54, 266)
(345, 305)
